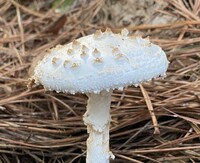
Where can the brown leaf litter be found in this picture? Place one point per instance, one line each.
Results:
(40, 126)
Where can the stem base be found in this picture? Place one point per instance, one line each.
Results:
(97, 119)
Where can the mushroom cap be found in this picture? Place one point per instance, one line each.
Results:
(100, 61)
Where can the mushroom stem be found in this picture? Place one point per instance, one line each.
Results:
(97, 119)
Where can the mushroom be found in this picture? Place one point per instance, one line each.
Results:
(100, 63)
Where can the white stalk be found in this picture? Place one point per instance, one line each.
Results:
(97, 118)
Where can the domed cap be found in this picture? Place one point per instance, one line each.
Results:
(101, 61)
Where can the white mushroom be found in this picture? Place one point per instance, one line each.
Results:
(122, 61)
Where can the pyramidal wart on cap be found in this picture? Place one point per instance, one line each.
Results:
(95, 65)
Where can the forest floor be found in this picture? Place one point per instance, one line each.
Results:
(42, 126)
